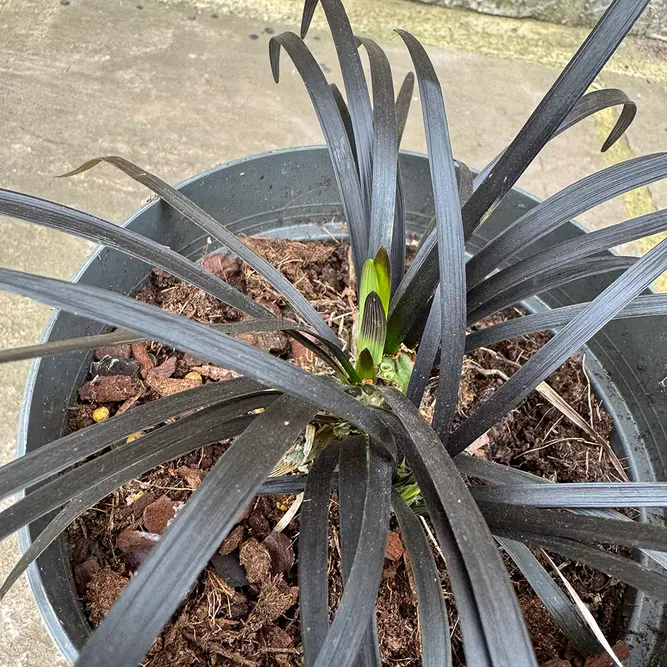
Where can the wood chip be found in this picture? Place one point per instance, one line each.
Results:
(221, 265)
(140, 353)
(557, 401)
(158, 514)
(164, 370)
(301, 355)
(110, 389)
(256, 559)
(232, 541)
(129, 402)
(474, 448)
(115, 351)
(136, 545)
(275, 598)
(139, 502)
(394, 549)
(169, 386)
(115, 366)
(621, 649)
(190, 360)
(191, 475)
(131, 540)
(214, 372)
(274, 342)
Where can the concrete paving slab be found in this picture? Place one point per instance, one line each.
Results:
(648, 133)
(178, 91)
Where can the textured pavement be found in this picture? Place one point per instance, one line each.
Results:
(177, 91)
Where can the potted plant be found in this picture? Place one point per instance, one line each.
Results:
(370, 397)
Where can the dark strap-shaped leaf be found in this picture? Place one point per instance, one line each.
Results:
(544, 281)
(82, 343)
(426, 353)
(568, 251)
(197, 339)
(495, 473)
(582, 494)
(356, 87)
(403, 101)
(442, 486)
(571, 84)
(209, 224)
(430, 340)
(385, 149)
(642, 306)
(184, 435)
(345, 117)
(314, 554)
(67, 345)
(567, 341)
(436, 648)
(287, 485)
(59, 454)
(588, 529)
(475, 645)
(399, 239)
(589, 104)
(355, 610)
(173, 566)
(88, 498)
(623, 569)
(597, 100)
(352, 484)
(338, 359)
(451, 253)
(69, 220)
(465, 181)
(563, 611)
(474, 641)
(465, 187)
(538, 130)
(563, 206)
(335, 134)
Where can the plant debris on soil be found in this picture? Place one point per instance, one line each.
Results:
(244, 608)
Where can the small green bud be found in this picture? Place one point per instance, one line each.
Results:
(387, 366)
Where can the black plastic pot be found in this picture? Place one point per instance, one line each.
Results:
(293, 193)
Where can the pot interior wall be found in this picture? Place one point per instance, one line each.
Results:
(293, 193)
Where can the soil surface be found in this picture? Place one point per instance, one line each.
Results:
(244, 608)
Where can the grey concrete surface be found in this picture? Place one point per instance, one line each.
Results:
(177, 91)
(653, 23)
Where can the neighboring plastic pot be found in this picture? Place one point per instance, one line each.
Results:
(293, 193)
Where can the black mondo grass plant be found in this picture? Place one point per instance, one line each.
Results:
(386, 458)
